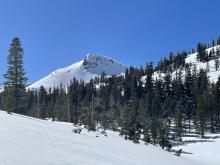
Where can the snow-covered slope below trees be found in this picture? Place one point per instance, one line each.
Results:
(206, 151)
(26, 141)
(91, 67)
(209, 66)
(191, 59)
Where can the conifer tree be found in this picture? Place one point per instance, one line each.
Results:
(61, 106)
(15, 79)
(200, 114)
(216, 64)
(190, 95)
(202, 54)
(217, 108)
(163, 131)
(149, 87)
(178, 122)
(154, 125)
(42, 94)
(213, 107)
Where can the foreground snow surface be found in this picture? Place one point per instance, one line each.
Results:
(205, 151)
(29, 141)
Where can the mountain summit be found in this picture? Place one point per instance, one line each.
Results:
(97, 64)
(91, 66)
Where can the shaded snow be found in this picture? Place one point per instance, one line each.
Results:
(26, 141)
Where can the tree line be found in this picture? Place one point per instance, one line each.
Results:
(138, 106)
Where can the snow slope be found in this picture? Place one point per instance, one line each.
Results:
(212, 73)
(206, 151)
(192, 59)
(91, 67)
(25, 141)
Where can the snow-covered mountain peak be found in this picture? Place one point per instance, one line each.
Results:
(90, 67)
(98, 64)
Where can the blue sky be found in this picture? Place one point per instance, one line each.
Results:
(57, 33)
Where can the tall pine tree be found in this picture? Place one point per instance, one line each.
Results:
(15, 79)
